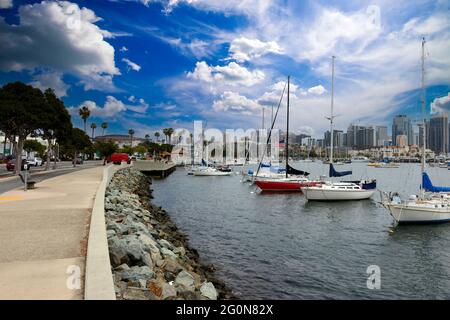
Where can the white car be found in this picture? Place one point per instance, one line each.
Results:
(36, 161)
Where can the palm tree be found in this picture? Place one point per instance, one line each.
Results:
(104, 127)
(84, 113)
(147, 136)
(165, 132)
(131, 133)
(157, 134)
(93, 127)
(169, 133)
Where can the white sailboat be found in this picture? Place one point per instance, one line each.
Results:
(433, 203)
(338, 191)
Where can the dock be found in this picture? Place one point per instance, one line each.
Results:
(159, 169)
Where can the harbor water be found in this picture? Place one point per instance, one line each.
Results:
(279, 246)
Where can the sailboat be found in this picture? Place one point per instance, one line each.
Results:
(289, 179)
(430, 207)
(335, 191)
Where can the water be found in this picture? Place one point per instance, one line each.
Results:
(278, 246)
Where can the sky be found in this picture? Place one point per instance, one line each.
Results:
(151, 64)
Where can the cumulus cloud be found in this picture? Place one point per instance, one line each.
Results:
(6, 4)
(123, 49)
(231, 74)
(131, 65)
(441, 104)
(233, 102)
(111, 108)
(244, 49)
(60, 36)
(53, 80)
(317, 90)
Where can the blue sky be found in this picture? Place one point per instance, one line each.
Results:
(150, 64)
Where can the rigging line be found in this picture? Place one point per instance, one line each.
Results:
(270, 132)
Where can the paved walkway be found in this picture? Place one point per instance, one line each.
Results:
(43, 236)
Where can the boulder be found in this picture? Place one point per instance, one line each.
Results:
(207, 290)
(168, 291)
(186, 280)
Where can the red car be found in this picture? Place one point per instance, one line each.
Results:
(11, 164)
(117, 158)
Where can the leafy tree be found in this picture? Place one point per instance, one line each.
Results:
(106, 149)
(76, 141)
(33, 145)
(55, 123)
(127, 149)
(84, 113)
(21, 114)
(104, 127)
(141, 149)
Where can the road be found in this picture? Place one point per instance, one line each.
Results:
(38, 174)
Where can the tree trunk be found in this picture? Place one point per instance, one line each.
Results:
(75, 159)
(19, 155)
(47, 163)
(54, 153)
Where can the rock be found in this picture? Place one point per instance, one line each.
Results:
(137, 273)
(122, 267)
(147, 259)
(133, 247)
(138, 294)
(165, 244)
(186, 280)
(155, 288)
(172, 265)
(168, 253)
(117, 252)
(207, 290)
(168, 291)
(149, 244)
(180, 251)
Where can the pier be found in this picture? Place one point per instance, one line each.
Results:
(160, 169)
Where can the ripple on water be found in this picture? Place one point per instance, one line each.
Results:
(282, 247)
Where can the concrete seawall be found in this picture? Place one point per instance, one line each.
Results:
(99, 282)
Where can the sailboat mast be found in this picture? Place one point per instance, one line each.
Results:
(332, 106)
(423, 106)
(287, 128)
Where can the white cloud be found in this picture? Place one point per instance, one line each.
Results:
(53, 80)
(123, 49)
(232, 74)
(111, 108)
(441, 104)
(317, 90)
(131, 65)
(235, 103)
(61, 36)
(244, 49)
(6, 4)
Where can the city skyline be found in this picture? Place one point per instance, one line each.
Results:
(221, 62)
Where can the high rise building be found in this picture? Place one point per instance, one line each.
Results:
(381, 135)
(402, 126)
(438, 133)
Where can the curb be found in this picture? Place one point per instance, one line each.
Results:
(99, 283)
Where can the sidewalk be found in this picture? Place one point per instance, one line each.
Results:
(43, 232)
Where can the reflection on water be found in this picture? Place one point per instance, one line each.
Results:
(280, 246)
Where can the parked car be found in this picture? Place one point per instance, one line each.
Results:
(117, 158)
(36, 161)
(11, 164)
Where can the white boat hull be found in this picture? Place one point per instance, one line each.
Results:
(201, 173)
(412, 214)
(319, 194)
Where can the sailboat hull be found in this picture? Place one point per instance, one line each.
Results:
(275, 185)
(320, 194)
(415, 215)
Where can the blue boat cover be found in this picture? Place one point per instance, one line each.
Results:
(428, 185)
(334, 173)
